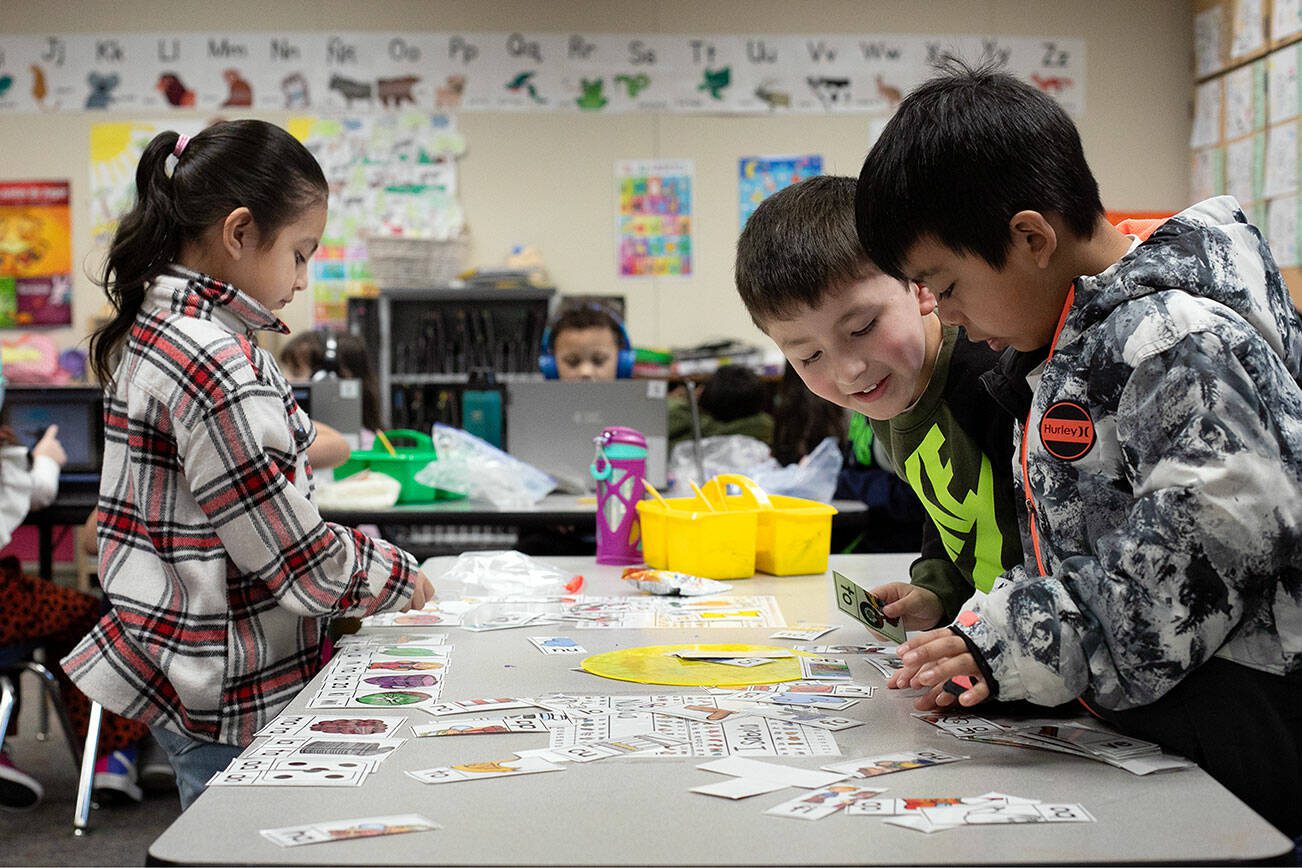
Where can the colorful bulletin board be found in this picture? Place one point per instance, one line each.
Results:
(35, 254)
(760, 177)
(654, 217)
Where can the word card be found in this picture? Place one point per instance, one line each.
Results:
(483, 770)
(534, 722)
(822, 803)
(890, 763)
(345, 830)
(332, 725)
(557, 645)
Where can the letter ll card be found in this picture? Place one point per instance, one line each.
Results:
(343, 830)
(865, 607)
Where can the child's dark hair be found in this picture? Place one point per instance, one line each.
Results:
(798, 245)
(307, 351)
(585, 316)
(734, 392)
(963, 153)
(232, 164)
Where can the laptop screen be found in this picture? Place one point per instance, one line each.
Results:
(77, 410)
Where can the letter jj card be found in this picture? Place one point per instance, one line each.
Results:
(865, 607)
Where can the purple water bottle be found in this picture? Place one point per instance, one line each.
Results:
(619, 466)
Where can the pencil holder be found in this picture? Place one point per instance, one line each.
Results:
(619, 467)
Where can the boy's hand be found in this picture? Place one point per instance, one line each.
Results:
(917, 608)
(423, 593)
(931, 659)
(50, 447)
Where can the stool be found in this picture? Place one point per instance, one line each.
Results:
(14, 661)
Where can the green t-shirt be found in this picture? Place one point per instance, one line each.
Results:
(954, 449)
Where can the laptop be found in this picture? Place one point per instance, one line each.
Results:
(334, 401)
(551, 425)
(79, 413)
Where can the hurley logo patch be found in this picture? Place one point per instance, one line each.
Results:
(1067, 431)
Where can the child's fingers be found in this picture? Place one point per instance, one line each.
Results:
(932, 646)
(942, 670)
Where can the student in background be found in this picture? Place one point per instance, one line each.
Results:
(34, 611)
(873, 344)
(1157, 373)
(209, 649)
(306, 356)
(731, 402)
(586, 342)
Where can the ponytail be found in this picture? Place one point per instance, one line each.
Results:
(232, 164)
(145, 242)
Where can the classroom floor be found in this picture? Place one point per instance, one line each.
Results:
(43, 836)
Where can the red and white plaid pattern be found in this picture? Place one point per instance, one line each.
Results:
(220, 570)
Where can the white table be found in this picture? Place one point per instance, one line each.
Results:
(639, 811)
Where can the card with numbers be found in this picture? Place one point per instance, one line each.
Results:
(345, 830)
(866, 607)
(291, 773)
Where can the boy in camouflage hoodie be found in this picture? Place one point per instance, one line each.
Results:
(1160, 447)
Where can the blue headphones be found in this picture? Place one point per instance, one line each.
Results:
(623, 364)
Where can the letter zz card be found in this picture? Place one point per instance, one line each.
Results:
(864, 607)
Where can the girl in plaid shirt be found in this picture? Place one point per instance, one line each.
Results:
(220, 571)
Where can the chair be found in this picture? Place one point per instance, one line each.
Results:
(14, 661)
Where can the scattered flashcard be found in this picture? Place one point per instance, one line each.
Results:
(802, 716)
(843, 649)
(332, 725)
(896, 807)
(461, 706)
(827, 668)
(344, 830)
(996, 813)
(960, 725)
(866, 607)
(743, 662)
(889, 763)
(557, 645)
(642, 743)
(291, 773)
(804, 632)
(739, 788)
(502, 621)
(816, 700)
(537, 722)
(479, 771)
(886, 664)
(370, 751)
(822, 803)
(741, 767)
(698, 654)
(421, 618)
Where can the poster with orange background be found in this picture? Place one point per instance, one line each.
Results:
(35, 254)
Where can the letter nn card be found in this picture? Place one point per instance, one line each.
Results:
(864, 607)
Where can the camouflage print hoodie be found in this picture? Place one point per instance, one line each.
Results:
(1163, 457)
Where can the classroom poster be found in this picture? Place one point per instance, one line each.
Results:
(653, 223)
(761, 177)
(35, 254)
(392, 175)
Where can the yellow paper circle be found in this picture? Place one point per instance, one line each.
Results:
(651, 664)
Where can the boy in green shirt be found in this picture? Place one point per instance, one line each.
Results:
(873, 344)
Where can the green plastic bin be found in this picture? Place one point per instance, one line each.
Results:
(404, 466)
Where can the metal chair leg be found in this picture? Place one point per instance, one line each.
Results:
(81, 819)
(43, 705)
(7, 693)
(52, 693)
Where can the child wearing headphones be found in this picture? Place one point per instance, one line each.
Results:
(586, 342)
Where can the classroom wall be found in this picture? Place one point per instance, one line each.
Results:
(547, 178)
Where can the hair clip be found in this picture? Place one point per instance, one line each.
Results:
(169, 165)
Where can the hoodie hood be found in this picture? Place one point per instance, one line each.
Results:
(1209, 250)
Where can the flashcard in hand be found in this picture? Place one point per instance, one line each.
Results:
(889, 763)
(866, 607)
(804, 632)
(482, 770)
(822, 803)
(557, 645)
(344, 830)
(332, 726)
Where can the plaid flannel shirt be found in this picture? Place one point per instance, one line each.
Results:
(220, 570)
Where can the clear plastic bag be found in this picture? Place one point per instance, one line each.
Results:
(729, 453)
(475, 467)
(504, 574)
(813, 478)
